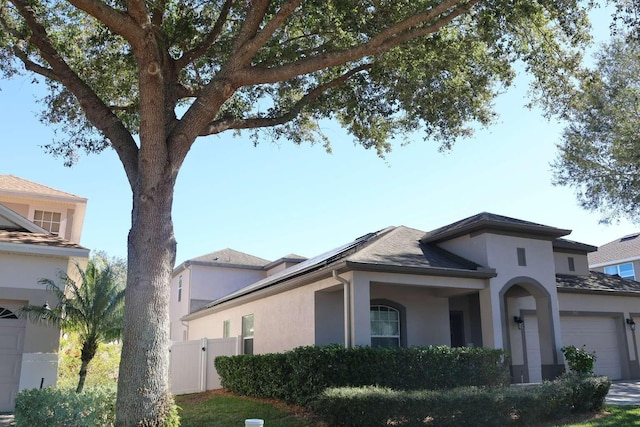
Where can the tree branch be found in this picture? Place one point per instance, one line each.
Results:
(255, 43)
(117, 21)
(209, 40)
(393, 36)
(255, 14)
(96, 111)
(221, 125)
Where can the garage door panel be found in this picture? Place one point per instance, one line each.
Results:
(11, 339)
(599, 334)
(11, 345)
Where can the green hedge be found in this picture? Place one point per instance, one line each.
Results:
(63, 407)
(299, 375)
(496, 406)
(54, 407)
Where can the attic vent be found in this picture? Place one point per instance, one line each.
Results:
(629, 237)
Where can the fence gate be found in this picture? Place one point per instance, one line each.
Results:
(191, 367)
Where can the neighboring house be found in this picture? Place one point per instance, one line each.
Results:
(487, 280)
(201, 280)
(29, 252)
(621, 257)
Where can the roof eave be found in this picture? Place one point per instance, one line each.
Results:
(25, 248)
(481, 273)
(488, 226)
(612, 292)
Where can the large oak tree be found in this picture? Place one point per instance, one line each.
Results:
(600, 151)
(148, 78)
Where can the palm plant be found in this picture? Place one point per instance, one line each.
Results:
(93, 308)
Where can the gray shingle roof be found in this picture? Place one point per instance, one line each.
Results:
(597, 282)
(401, 247)
(232, 257)
(623, 248)
(386, 248)
(489, 221)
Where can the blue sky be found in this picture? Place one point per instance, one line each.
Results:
(278, 198)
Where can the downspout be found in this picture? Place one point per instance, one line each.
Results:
(347, 308)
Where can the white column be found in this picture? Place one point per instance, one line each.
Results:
(360, 308)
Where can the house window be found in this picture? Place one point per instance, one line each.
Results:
(179, 288)
(622, 270)
(385, 326)
(522, 257)
(50, 221)
(226, 328)
(247, 334)
(572, 264)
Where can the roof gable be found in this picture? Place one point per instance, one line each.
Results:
(12, 221)
(488, 222)
(13, 185)
(624, 248)
(228, 258)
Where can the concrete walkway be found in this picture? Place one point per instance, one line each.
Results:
(624, 393)
(6, 420)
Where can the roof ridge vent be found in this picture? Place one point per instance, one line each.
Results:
(629, 237)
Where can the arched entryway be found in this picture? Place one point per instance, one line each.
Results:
(529, 330)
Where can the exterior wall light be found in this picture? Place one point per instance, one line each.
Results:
(518, 321)
(631, 323)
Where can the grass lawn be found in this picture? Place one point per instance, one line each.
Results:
(222, 409)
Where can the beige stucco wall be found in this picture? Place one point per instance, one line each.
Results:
(177, 309)
(19, 282)
(292, 316)
(427, 315)
(581, 263)
(215, 282)
(281, 322)
(204, 283)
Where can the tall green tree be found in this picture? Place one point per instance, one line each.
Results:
(147, 78)
(600, 151)
(92, 308)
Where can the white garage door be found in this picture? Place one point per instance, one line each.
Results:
(11, 343)
(599, 334)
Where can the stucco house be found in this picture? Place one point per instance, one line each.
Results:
(620, 257)
(40, 230)
(487, 280)
(200, 280)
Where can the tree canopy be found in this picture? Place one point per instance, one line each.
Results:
(147, 78)
(600, 152)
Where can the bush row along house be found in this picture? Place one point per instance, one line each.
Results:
(40, 231)
(487, 280)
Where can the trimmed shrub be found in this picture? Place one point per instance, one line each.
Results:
(95, 406)
(56, 407)
(299, 375)
(587, 392)
(494, 406)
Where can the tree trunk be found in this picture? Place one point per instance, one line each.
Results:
(82, 376)
(89, 349)
(143, 386)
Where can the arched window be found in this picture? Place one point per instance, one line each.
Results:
(7, 314)
(385, 326)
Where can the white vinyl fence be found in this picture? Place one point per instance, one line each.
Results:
(191, 367)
